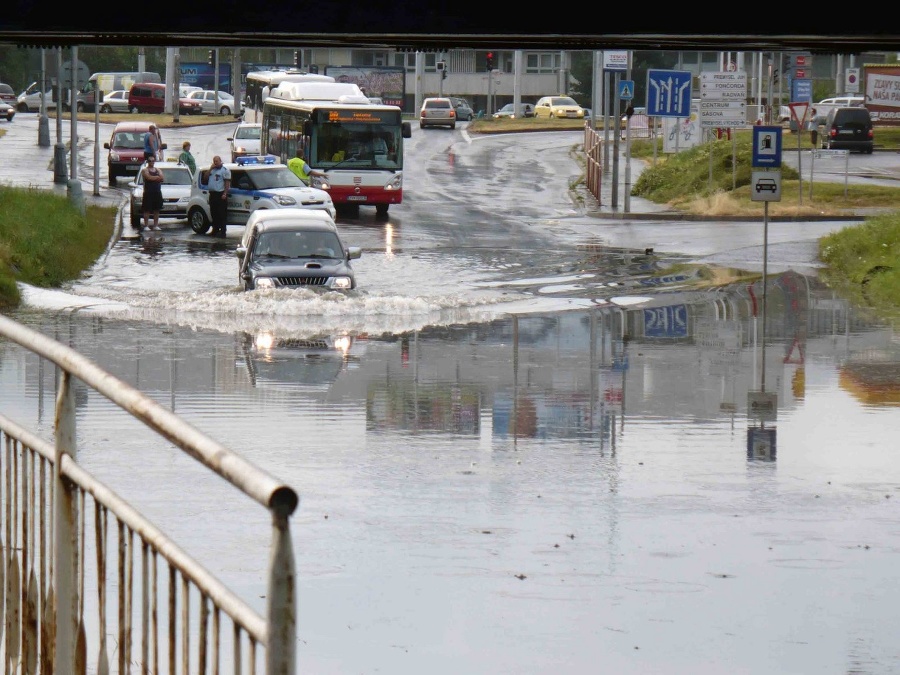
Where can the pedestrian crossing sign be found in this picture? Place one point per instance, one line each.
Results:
(626, 90)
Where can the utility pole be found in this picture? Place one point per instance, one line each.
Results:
(216, 80)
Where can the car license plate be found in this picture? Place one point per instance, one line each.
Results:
(170, 207)
(357, 198)
(133, 167)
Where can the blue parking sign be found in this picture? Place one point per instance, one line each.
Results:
(766, 146)
(669, 93)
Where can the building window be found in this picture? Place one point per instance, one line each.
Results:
(405, 60)
(542, 62)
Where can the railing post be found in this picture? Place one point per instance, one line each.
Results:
(65, 519)
(281, 605)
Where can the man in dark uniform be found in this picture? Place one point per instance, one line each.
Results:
(219, 183)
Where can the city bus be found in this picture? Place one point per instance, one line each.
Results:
(259, 83)
(354, 148)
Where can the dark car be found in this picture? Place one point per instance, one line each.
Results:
(464, 112)
(7, 94)
(849, 129)
(293, 248)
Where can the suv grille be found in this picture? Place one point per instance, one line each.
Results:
(302, 281)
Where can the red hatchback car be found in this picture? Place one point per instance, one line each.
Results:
(126, 149)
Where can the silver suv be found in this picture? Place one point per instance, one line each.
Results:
(437, 112)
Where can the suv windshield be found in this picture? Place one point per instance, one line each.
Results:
(308, 244)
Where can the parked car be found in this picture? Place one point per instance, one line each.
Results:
(245, 140)
(176, 192)
(849, 129)
(464, 112)
(150, 97)
(7, 111)
(207, 100)
(437, 112)
(257, 183)
(560, 107)
(30, 99)
(115, 102)
(294, 248)
(126, 149)
(509, 110)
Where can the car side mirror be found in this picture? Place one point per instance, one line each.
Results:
(106, 145)
(164, 146)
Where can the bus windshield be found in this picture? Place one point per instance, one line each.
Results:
(354, 145)
(353, 137)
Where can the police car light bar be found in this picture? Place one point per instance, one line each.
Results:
(256, 159)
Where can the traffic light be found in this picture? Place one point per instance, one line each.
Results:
(211, 58)
(490, 61)
(296, 58)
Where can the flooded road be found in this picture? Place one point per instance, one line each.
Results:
(526, 444)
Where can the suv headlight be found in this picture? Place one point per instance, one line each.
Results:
(265, 282)
(342, 283)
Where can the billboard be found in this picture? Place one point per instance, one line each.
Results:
(385, 82)
(883, 94)
(203, 75)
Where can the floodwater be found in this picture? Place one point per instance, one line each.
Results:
(518, 450)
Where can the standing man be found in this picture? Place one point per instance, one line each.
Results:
(299, 167)
(219, 184)
(151, 143)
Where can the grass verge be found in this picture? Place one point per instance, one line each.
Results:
(45, 241)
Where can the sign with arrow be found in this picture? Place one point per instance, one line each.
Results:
(669, 93)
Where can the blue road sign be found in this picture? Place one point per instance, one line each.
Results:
(767, 146)
(669, 93)
(801, 89)
(626, 90)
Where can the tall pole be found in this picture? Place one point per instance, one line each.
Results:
(73, 110)
(60, 174)
(43, 120)
(216, 80)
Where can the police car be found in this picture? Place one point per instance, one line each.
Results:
(257, 182)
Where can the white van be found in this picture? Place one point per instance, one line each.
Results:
(107, 82)
(30, 99)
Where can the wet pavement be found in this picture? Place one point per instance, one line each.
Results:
(553, 466)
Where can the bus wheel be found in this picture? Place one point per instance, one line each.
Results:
(198, 220)
(381, 210)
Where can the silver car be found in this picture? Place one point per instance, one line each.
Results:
(437, 112)
(176, 192)
(115, 102)
(207, 99)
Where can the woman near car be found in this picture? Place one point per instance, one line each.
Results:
(152, 199)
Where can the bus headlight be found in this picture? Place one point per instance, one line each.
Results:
(318, 182)
(395, 183)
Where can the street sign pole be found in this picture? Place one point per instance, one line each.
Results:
(765, 278)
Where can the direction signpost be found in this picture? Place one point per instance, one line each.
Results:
(723, 105)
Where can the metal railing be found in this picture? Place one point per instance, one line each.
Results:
(593, 145)
(46, 538)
